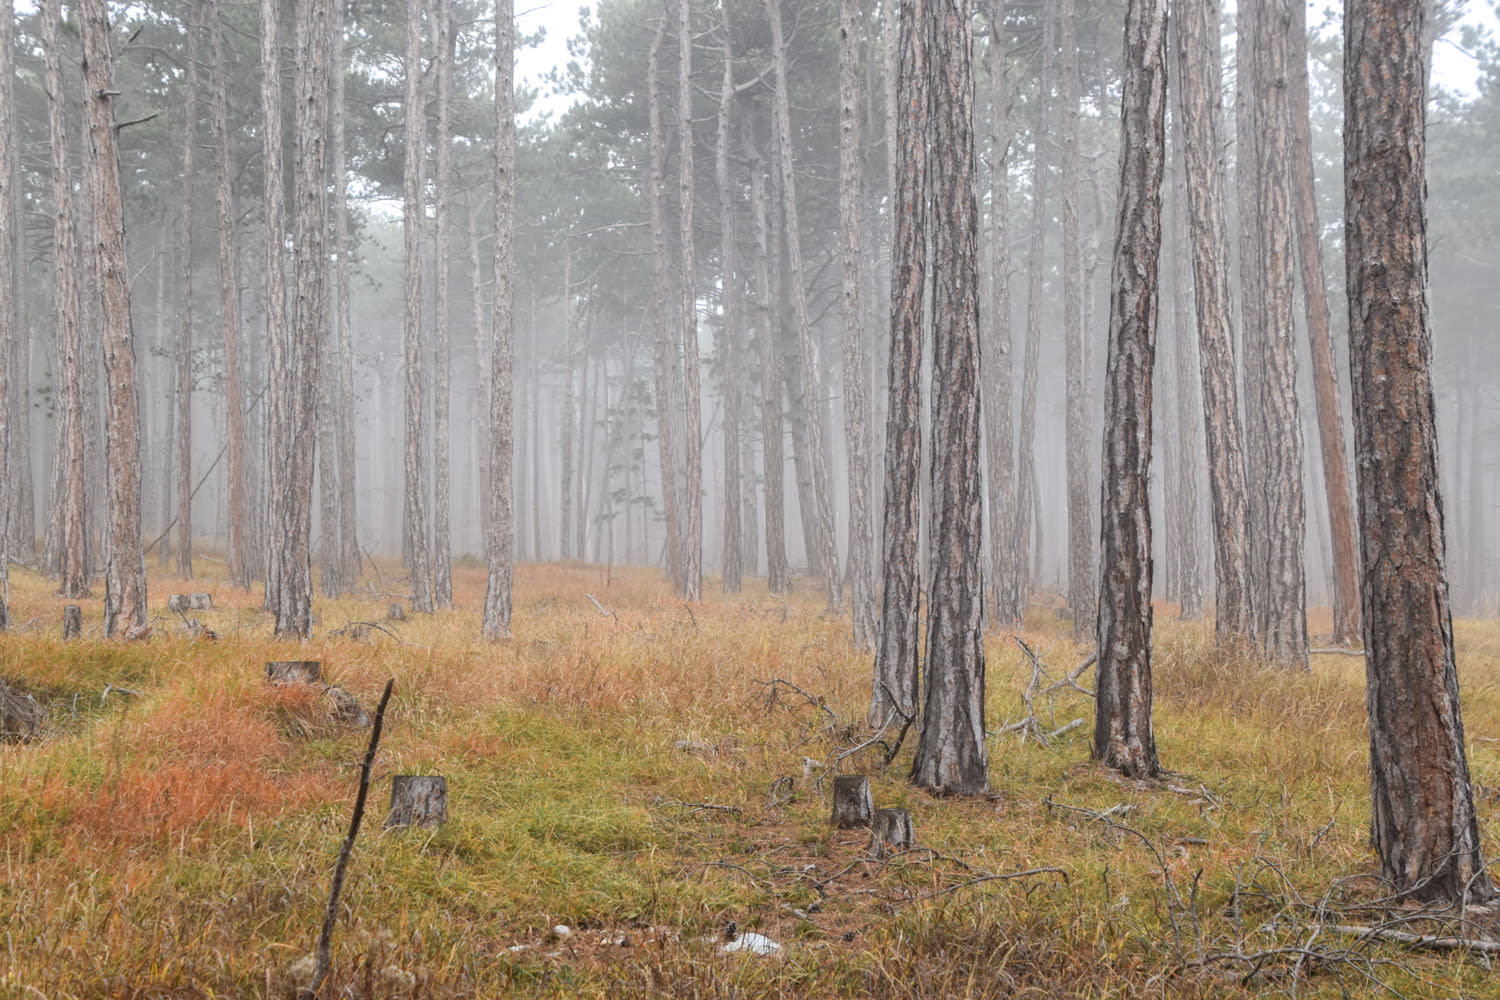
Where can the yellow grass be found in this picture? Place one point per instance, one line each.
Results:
(630, 776)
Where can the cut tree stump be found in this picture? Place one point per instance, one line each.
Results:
(418, 800)
(852, 804)
(286, 672)
(891, 832)
(72, 621)
(396, 612)
(200, 602)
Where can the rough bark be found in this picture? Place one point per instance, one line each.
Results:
(73, 563)
(414, 332)
(856, 368)
(999, 434)
(897, 651)
(692, 567)
(8, 286)
(665, 426)
(349, 556)
(1320, 338)
(951, 757)
(778, 574)
(732, 326)
(1278, 505)
(442, 567)
(292, 500)
(229, 308)
(125, 560)
(1198, 60)
(1123, 739)
(1424, 826)
(817, 455)
(1189, 446)
(184, 349)
(277, 349)
(500, 534)
(1082, 579)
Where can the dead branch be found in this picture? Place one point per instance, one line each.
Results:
(603, 611)
(1336, 651)
(351, 626)
(776, 682)
(1482, 946)
(995, 877)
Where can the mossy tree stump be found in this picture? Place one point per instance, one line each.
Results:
(852, 804)
(418, 800)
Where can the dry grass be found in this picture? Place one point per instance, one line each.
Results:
(636, 776)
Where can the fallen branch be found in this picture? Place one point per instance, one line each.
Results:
(603, 611)
(1336, 651)
(375, 625)
(995, 877)
(818, 703)
(117, 690)
(1482, 946)
(330, 915)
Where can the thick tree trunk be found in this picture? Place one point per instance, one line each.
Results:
(1320, 338)
(732, 328)
(8, 285)
(442, 567)
(1189, 445)
(773, 460)
(1082, 578)
(951, 757)
(856, 368)
(73, 562)
(500, 533)
(229, 310)
(897, 650)
(999, 434)
(277, 347)
(125, 561)
(1198, 60)
(1278, 506)
(1424, 826)
(817, 455)
(414, 334)
(1123, 739)
(184, 349)
(692, 567)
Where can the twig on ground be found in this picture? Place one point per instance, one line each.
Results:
(995, 877)
(701, 806)
(692, 617)
(117, 690)
(603, 611)
(351, 626)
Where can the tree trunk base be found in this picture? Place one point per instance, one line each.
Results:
(418, 800)
(852, 804)
(891, 832)
(72, 621)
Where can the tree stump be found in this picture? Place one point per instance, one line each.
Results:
(418, 800)
(200, 602)
(396, 613)
(72, 621)
(285, 672)
(345, 708)
(21, 718)
(177, 603)
(852, 804)
(891, 832)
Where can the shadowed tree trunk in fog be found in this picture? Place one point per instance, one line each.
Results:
(666, 430)
(349, 557)
(8, 286)
(951, 756)
(500, 531)
(277, 347)
(184, 349)
(1123, 739)
(1189, 444)
(1424, 826)
(1082, 579)
(125, 559)
(413, 334)
(733, 326)
(1198, 63)
(569, 408)
(1319, 336)
(856, 375)
(692, 567)
(71, 505)
(995, 358)
(442, 569)
(817, 454)
(1273, 426)
(229, 307)
(896, 653)
(773, 459)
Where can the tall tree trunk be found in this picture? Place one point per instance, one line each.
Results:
(442, 567)
(732, 327)
(229, 309)
(1278, 506)
(349, 556)
(125, 560)
(1189, 444)
(897, 651)
(856, 369)
(1198, 61)
(951, 756)
(277, 346)
(1028, 520)
(184, 349)
(74, 518)
(822, 488)
(292, 540)
(414, 334)
(8, 285)
(483, 349)
(666, 430)
(773, 460)
(500, 534)
(1123, 739)
(1082, 579)
(692, 568)
(569, 406)
(995, 358)
(1319, 337)
(1424, 826)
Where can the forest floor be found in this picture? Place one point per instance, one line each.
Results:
(625, 785)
